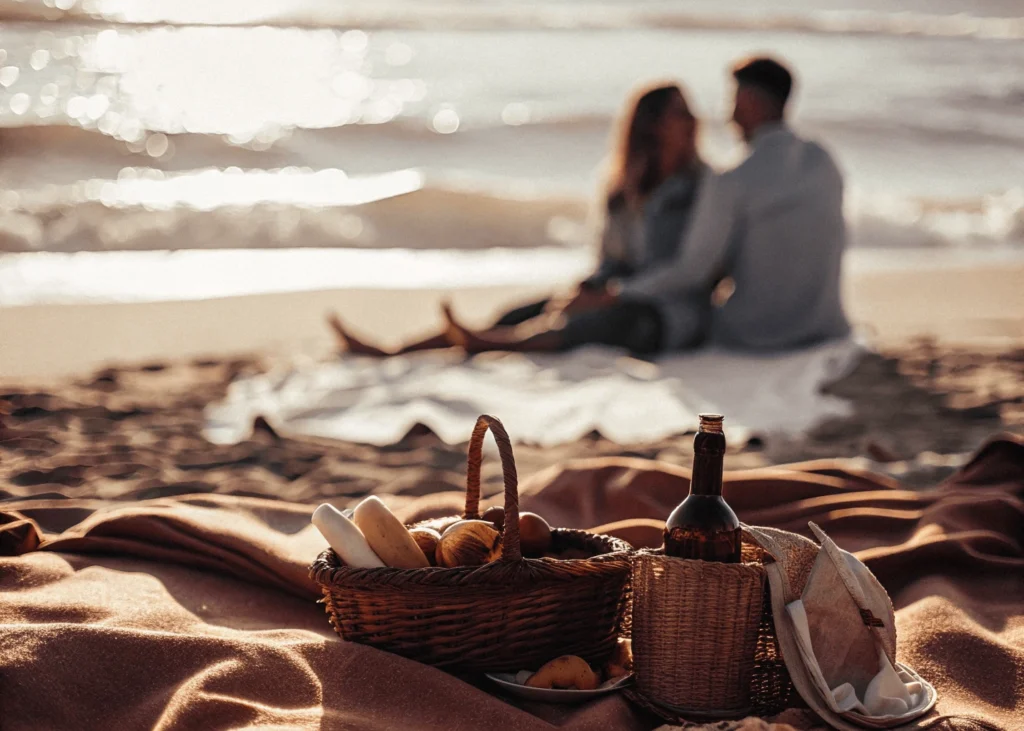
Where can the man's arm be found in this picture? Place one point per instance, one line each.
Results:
(705, 245)
(607, 270)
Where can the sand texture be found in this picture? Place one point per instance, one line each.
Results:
(137, 433)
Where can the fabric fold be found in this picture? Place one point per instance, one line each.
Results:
(195, 611)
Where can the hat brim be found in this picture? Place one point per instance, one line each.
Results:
(805, 686)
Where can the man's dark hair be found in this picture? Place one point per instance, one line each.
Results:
(767, 75)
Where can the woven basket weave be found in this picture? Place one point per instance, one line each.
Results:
(512, 614)
(704, 641)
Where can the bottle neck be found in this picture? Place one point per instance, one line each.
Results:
(708, 463)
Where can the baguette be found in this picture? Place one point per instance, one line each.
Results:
(345, 538)
(388, 538)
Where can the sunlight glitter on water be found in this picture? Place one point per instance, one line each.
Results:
(148, 276)
(156, 276)
(250, 84)
(210, 189)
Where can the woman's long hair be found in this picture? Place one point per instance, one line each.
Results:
(634, 170)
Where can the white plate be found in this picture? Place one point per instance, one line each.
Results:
(507, 681)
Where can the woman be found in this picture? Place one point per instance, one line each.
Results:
(651, 188)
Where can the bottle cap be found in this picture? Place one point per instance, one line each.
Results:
(711, 423)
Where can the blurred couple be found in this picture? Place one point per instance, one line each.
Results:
(748, 258)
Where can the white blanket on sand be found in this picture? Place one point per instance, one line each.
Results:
(542, 399)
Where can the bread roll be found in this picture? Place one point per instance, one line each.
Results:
(345, 538)
(427, 539)
(468, 543)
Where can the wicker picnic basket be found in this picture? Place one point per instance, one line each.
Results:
(704, 642)
(512, 614)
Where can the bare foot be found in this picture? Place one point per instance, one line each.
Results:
(459, 335)
(351, 344)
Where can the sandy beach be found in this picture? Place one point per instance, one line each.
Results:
(118, 453)
(890, 300)
(82, 383)
(188, 190)
(432, 130)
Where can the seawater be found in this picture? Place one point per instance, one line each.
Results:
(475, 125)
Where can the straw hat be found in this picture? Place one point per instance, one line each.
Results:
(837, 632)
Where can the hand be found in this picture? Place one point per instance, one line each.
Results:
(589, 299)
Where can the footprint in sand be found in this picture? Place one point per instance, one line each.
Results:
(126, 471)
(159, 490)
(204, 459)
(29, 442)
(69, 475)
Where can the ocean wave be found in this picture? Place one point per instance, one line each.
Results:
(146, 209)
(887, 221)
(69, 137)
(1010, 98)
(476, 16)
(45, 149)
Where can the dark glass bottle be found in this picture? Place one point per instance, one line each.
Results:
(703, 526)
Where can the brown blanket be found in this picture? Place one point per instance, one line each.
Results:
(196, 612)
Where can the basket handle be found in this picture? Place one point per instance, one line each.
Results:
(510, 550)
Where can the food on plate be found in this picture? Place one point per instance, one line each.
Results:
(613, 671)
(468, 543)
(610, 682)
(623, 654)
(568, 671)
(619, 664)
(345, 538)
(388, 538)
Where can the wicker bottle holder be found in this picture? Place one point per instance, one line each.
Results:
(704, 643)
(512, 614)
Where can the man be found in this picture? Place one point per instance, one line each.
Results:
(774, 225)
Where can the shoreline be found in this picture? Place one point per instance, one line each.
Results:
(952, 300)
(173, 275)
